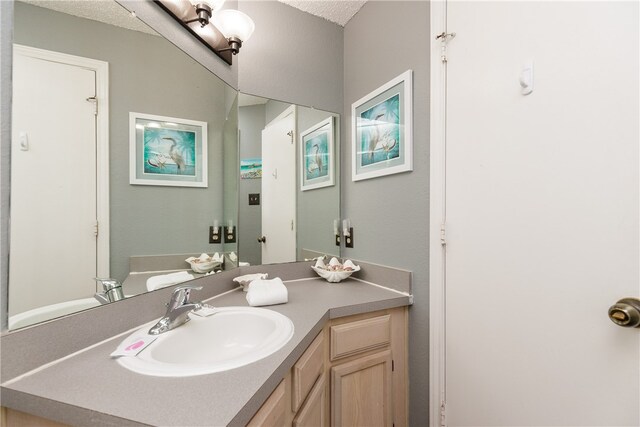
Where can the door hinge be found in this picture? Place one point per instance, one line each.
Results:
(443, 236)
(291, 225)
(393, 365)
(443, 414)
(94, 100)
(96, 228)
(290, 133)
(444, 39)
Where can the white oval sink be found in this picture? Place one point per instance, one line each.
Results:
(228, 339)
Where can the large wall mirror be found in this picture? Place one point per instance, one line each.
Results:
(75, 215)
(82, 205)
(289, 188)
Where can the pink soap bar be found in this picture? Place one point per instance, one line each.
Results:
(133, 346)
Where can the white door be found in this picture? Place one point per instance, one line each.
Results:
(542, 222)
(279, 189)
(53, 184)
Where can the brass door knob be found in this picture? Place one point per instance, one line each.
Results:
(626, 313)
(262, 239)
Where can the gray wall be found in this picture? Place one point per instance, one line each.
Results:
(292, 56)
(390, 215)
(251, 120)
(149, 75)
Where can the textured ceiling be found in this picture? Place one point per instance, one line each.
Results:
(337, 11)
(106, 11)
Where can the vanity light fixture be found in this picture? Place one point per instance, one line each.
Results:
(204, 9)
(222, 31)
(214, 233)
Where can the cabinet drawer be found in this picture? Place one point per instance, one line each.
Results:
(306, 371)
(360, 336)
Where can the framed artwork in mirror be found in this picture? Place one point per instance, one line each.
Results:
(381, 127)
(167, 151)
(317, 157)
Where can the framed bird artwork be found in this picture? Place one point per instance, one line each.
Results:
(167, 151)
(317, 159)
(381, 130)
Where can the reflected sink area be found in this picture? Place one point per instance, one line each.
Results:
(49, 312)
(230, 338)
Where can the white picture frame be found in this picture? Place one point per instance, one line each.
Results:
(317, 156)
(167, 151)
(382, 130)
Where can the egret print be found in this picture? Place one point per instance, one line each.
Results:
(169, 151)
(380, 132)
(316, 162)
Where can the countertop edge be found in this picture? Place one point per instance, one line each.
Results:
(64, 413)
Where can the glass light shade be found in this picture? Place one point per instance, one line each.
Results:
(213, 4)
(233, 23)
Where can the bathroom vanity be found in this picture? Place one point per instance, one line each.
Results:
(354, 373)
(345, 364)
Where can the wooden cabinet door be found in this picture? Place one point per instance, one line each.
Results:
(313, 412)
(272, 412)
(361, 392)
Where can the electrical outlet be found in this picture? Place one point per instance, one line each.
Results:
(215, 238)
(348, 240)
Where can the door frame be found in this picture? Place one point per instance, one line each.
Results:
(101, 69)
(437, 218)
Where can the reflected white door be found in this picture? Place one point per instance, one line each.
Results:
(542, 222)
(279, 189)
(53, 184)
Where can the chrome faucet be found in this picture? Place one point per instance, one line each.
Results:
(178, 310)
(111, 291)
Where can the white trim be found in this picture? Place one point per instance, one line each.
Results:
(101, 69)
(407, 149)
(437, 218)
(331, 155)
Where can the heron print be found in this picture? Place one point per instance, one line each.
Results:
(169, 151)
(380, 132)
(317, 156)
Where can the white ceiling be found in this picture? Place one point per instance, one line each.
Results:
(106, 11)
(337, 11)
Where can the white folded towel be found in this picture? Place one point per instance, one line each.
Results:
(267, 292)
(162, 281)
(243, 264)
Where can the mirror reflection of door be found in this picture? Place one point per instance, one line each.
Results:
(279, 189)
(54, 195)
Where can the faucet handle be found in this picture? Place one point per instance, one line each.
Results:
(182, 293)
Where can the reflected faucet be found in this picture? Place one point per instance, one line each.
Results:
(111, 291)
(178, 310)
